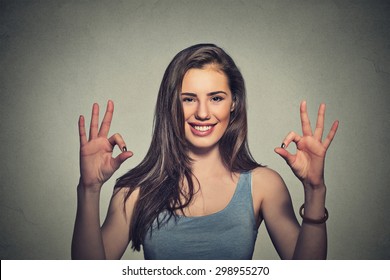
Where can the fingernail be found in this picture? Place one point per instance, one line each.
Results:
(124, 149)
(283, 146)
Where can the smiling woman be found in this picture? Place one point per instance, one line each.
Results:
(198, 193)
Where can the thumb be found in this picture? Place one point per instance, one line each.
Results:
(121, 158)
(289, 158)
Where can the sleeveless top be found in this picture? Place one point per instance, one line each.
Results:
(228, 234)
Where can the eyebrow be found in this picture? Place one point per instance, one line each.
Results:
(208, 94)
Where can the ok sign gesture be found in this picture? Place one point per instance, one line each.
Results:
(308, 162)
(96, 162)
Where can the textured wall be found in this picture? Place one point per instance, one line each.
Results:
(58, 57)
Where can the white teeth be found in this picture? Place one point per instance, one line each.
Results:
(202, 128)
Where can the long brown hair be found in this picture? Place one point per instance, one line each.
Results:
(161, 174)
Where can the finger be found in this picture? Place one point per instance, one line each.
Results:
(320, 123)
(289, 158)
(93, 129)
(117, 139)
(291, 137)
(306, 127)
(122, 157)
(106, 123)
(83, 135)
(328, 140)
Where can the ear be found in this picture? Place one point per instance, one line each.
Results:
(233, 106)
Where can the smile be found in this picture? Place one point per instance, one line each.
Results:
(201, 129)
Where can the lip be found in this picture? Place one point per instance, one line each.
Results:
(202, 133)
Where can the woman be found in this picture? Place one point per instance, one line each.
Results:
(198, 193)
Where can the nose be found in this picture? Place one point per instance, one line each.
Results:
(202, 111)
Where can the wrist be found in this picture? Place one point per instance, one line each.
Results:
(314, 188)
(314, 204)
(88, 188)
(315, 195)
(314, 184)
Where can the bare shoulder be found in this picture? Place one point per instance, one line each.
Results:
(120, 209)
(267, 184)
(118, 199)
(122, 193)
(267, 178)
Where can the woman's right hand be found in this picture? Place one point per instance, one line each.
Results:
(97, 164)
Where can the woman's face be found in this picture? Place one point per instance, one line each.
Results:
(207, 103)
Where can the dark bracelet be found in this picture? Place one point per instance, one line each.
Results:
(312, 221)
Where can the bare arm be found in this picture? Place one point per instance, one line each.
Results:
(291, 240)
(87, 242)
(312, 241)
(96, 166)
(276, 210)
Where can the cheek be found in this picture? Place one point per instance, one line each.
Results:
(223, 114)
(187, 112)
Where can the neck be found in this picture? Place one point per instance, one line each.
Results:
(207, 162)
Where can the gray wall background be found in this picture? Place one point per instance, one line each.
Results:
(58, 57)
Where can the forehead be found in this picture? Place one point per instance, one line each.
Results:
(208, 79)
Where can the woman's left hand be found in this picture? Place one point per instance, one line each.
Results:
(308, 162)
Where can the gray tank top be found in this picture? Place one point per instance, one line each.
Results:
(228, 234)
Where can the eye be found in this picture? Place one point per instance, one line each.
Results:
(216, 98)
(188, 99)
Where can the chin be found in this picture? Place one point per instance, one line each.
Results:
(202, 148)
